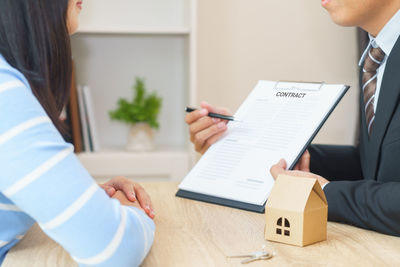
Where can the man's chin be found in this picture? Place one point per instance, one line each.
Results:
(342, 21)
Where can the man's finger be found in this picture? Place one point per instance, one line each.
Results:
(201, 124)
(278, 168)
(201, 137)
(305, 162)
(299, 164)
(210, 141)
(195, 115)
(210, 108)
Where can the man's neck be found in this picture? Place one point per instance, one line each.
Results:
(375, 24)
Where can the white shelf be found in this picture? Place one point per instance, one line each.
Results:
(119, 41)
(138, 31)
(164, 164)
(108, 64)
(129, 15)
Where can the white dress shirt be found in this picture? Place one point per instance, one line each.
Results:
(386, 39)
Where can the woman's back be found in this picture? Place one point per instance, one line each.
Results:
(42, 181)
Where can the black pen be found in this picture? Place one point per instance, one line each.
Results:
(214, 115)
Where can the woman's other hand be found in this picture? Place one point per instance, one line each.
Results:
(133, 192)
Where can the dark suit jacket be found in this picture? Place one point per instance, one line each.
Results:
(365, 187)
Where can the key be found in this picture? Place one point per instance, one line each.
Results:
(259, 255)
(249, 260)
(242, 256)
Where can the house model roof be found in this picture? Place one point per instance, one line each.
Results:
(294, 193)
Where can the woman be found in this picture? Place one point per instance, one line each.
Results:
(41, 179)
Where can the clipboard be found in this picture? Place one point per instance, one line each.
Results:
(220, 201)
(280, 85)
(299, 85)
(291, 85)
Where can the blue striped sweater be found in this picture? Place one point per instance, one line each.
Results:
(42, 181)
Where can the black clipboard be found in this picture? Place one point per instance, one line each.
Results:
(261, 208)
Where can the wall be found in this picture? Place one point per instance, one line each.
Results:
(243, 41)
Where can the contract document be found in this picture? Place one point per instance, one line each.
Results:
(277, 120)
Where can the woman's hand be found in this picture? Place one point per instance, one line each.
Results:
(133, 191)
(205, 131)
(125, 201)
(280, 168)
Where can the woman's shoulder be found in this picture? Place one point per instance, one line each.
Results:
(17, 102)
(10, 74)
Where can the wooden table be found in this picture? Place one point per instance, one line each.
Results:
(191, 233)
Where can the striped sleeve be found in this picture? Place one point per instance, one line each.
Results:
(43, 178)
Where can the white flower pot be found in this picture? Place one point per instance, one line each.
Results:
(141, 138)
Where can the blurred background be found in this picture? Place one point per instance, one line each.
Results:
(241, 42)
(188, 51)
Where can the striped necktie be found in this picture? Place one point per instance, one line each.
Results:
(372, 62)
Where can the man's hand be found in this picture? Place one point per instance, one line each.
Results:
(132, 191)
(280, 168)
(205, 131)
(304, 163)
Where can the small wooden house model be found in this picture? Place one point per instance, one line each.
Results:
(296, 211)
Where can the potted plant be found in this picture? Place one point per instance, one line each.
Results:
(142, 116)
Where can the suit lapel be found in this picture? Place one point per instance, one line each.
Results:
(387, 102)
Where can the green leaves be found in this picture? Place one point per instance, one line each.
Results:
(143, 108)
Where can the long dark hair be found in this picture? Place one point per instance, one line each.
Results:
(34, 39)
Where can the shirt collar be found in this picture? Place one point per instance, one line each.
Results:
(386, 38)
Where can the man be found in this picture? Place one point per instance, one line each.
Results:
(362, 184)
